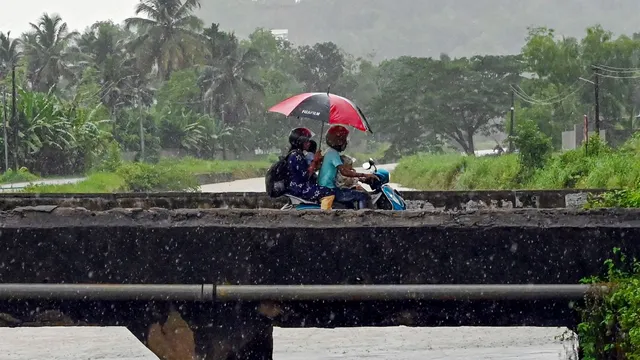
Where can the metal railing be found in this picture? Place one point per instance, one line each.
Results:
(228, 293)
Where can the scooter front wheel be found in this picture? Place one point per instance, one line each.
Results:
(384, 204)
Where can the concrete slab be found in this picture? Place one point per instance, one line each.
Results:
(409, 343)
(71, 343)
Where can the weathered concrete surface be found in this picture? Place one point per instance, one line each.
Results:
(409, 343)
(76, 245)
(277, 247)
(426, 200)
(71, 343)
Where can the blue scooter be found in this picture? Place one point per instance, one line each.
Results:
(383, 196)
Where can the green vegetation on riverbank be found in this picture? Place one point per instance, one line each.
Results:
(610, 327)
(600, 167)
(167, 175)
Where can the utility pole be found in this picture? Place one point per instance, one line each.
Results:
(513, 109)
(4, 129)
(596, 90)
(586, 134)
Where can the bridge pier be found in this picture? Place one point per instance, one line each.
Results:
(173, 331)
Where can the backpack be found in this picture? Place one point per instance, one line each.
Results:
(277, 177)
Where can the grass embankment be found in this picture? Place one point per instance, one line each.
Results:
(573, 169)
(167, 175)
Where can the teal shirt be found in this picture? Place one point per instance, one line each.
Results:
(329, 169)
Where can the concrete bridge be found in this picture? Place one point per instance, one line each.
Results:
(65, 244)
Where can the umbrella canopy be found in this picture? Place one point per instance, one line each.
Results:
(326, 107)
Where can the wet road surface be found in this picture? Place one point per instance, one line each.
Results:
(408, 343)
(71, 343)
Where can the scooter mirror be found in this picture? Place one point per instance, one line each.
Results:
(366, 165)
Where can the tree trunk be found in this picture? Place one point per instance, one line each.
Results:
(222, 142)
(470, 145)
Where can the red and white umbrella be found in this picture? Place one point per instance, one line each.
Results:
(326, 107)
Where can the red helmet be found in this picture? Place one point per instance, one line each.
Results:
(338, 137)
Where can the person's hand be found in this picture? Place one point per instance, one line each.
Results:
(371, 176)
(317, 156)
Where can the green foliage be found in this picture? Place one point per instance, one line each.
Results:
(489, 172)
(625, 198)
(429, 172)
(456, 172)
(534, 146)
(22, 175)
(112, 159)
(426, 101)
(95, 183)
(599, 167)
(203, 92)
(140, 177)
(610, 327)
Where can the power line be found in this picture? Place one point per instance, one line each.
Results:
(550, 101)
(619, 77)
(616, 69)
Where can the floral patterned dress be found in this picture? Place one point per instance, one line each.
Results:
(301, 184)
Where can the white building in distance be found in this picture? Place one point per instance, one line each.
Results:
(280, 34)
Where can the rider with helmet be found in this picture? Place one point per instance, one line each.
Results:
(337, 139)
(301, 182)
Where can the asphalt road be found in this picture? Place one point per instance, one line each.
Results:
(257, 184)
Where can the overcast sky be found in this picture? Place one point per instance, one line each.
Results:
(17, 14)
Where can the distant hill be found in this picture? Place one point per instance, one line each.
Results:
(391, 28)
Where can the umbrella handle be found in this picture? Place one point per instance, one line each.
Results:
(321, 134)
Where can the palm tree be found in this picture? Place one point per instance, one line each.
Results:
(167, 36)
(227, 81)
(9, 53)
(49, 55)
(9, 57)
(104, 45)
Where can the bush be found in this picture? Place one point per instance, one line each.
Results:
(610, 327)
(627, 198)
(534, 147)
(141, 177)
(112, 158)
(22, 175)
